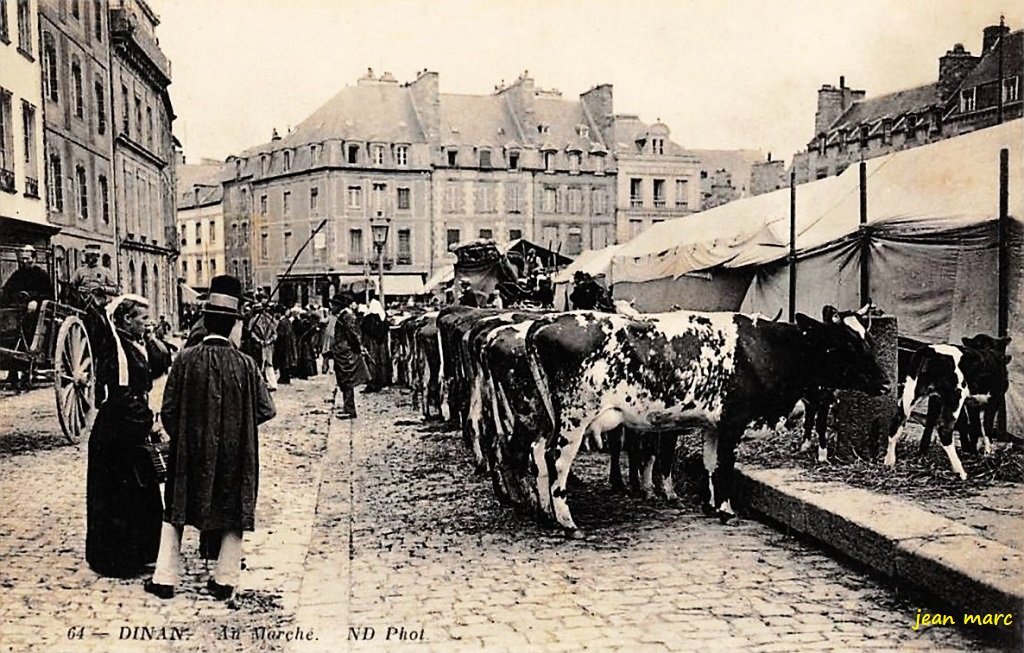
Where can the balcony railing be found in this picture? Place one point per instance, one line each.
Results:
(635, 202)
(659, 202)
(7, 180)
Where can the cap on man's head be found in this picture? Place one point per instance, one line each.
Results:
(225, 296)
(28, 249)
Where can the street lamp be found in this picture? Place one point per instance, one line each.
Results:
(379, 230)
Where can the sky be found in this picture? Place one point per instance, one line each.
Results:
(726, 74)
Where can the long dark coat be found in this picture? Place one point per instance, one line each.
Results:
(349, 367)
(213, 402)
(123, 509)
(286, 353)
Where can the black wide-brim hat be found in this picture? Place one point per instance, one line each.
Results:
(225, 296)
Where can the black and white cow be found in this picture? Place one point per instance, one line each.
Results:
(818, 401)
(714, 371)
(970, 378)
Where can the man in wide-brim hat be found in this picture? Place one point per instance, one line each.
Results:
(214, 400)
(348, 353)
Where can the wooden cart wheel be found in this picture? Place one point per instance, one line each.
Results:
(74, 380)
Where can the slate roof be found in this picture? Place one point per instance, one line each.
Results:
(892, 105)
(208, 177)
(482, 120)
(987, 69)
(366, 112)
(562, 117)
(628, 128)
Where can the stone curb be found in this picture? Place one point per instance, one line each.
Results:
(913, 547)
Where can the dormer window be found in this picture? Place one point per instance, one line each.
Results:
(968, 100)
(265, 163)
(543, 129)
(1011, 89)
(657, 146)
(513, 160)
(583, 131)
(352, 153)
(822, 144)
(864, 132)
(453, 157)
(911, 126)
(314, 153)
(378, 155)
(238, 168)
(549, 162)
(287, 160)
(574, 163)
(886, 132)
(599, 164)
(485, 158)
(402, 155)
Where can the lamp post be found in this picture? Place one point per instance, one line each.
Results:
(379, 229)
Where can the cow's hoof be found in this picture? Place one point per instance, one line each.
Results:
(573, 534)
(727, 518)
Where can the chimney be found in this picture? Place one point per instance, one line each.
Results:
(599, 103)
(275, 136)
(953, 67)
(990, 35)
(426, 99)
(521, 98)
(832, 103)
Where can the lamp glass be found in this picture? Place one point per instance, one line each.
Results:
(380, 233)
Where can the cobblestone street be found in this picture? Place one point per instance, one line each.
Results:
(405, 549)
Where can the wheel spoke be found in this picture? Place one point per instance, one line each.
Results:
(76, 347)
(65, 400)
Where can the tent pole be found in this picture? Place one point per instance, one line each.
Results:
(792, 245)
(1003, 253)
(1003, 238)
(865, 243)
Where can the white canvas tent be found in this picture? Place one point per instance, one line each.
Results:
(595, 262)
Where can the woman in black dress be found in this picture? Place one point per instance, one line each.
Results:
(123, 506)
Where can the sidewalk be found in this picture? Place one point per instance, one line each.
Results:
(974, 562)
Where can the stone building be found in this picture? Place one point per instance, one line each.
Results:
(143, 156)
(767, 176)
(22, 207)
(200, 223)
(74, 50)
(657, 179)
(849, 127)
(439, 168)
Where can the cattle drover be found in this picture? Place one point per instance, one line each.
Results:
(714, 371)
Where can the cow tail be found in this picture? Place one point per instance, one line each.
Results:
(540, 378)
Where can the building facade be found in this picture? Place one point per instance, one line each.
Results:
(849, 127)
(437, 168)
(657, 179)
(74, 50)
(22, 205)
(143, 156)
(200, 218)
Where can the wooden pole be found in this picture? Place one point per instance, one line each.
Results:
(999, 87)
(1003, 242)
(1003, 262)
(792, 246)
(865, 241)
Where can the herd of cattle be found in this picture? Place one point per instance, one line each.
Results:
(528, 388)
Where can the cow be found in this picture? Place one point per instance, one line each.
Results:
(971, 377)
(818, 401)
(717, 372)
(426, 365)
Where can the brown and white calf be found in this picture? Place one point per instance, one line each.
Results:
(971, 377)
